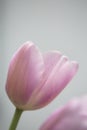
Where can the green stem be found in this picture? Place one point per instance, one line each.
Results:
(15, 119)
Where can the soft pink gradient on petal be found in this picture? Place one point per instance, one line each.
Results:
(60, 76)
(50, 58)
(73, 116)
(25, 73)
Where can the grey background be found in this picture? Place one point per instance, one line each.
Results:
(50, 24)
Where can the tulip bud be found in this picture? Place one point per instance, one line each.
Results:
(35, 79)
(73, 116)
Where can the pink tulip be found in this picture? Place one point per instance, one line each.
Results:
(35, 79)
(72, 116)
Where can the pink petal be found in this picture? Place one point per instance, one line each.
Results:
(72, 116)
(60, 76)
(25, 73)
(51, 58)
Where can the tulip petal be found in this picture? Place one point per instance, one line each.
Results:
(50, 58)
(60, 76)
(73, 116)
(25, 73)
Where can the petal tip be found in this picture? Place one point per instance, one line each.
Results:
(75, 63)
(65, 57)
(28, 43)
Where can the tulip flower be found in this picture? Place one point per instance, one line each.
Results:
(35, 79)
(72, 116)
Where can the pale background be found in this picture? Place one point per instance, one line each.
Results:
(51, 24)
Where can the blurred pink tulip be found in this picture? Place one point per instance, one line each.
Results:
(72, 116)
(35, 79)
